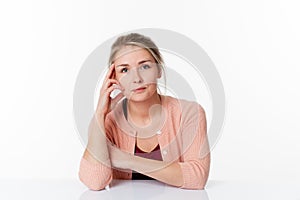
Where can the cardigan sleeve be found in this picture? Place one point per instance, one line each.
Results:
(195, 160)
(96, 176)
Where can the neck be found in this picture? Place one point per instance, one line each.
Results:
(140, 110)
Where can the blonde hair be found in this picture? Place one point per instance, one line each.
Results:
(136, 39)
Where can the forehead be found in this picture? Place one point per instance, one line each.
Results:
(132, 54)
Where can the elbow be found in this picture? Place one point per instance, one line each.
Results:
(95, 188)
(94, 176)
(197, 185)
(195, 176)
(94, 183)
(203, 178)
(194, 186)
(201, 186)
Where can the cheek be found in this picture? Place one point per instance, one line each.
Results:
(149, 76)
(125, 81)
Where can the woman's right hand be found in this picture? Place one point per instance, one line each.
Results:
(105, 102)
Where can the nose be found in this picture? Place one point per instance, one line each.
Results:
(136, 76)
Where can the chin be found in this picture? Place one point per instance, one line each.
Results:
(138, 98)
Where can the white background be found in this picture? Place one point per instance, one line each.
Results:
(254, 44)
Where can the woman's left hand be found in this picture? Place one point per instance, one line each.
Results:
(119, 159)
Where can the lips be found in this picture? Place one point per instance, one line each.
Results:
(139, 89)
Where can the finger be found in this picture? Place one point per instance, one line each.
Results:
(107, 100)
(109, 73)
(109, 83)
(115, 100)
(109, 90)
(115, 81)
(105, 95)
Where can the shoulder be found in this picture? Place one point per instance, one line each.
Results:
(183, 106)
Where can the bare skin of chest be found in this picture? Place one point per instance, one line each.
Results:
(147, 144)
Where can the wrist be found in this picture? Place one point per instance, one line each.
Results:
(100, 119)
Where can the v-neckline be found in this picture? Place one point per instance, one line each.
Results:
(125, 125)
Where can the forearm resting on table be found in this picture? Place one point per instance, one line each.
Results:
(96, 150)
(169, 173)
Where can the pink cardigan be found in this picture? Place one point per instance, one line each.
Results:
(182, 138)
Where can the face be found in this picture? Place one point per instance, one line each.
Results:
(137, 72)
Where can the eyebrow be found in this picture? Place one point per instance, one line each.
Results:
(141, 62)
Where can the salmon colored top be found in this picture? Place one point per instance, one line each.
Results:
(182, 138)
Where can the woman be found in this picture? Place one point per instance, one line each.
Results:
(147, 135)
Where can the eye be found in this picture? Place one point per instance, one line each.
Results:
(145, 66)
(124, 70)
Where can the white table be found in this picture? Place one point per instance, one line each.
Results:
(145, 190)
